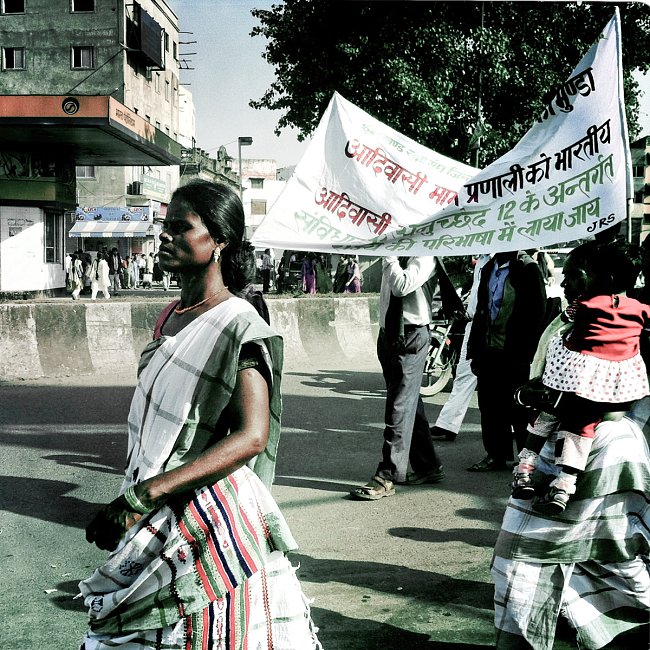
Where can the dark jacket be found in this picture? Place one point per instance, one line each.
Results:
(112, 268)
(524, 324)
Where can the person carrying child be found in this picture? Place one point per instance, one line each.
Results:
(595, 367)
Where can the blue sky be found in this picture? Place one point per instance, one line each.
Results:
(229, 72)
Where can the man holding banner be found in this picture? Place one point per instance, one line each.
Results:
(407, 288)
(511, 305)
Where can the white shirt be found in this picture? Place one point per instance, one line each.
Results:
(408, 284)
(472, 300)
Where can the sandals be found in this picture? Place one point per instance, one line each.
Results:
(376, 488)
(488, 464)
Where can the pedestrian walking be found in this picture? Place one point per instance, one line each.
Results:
(407, 288)
(594, 368)
(510, 310)
(323, 277)
(588, 564)
(452, 414)
(353, 283)
(198, 542)
(99, 277)
(114, 261)
(309, 274)
(76, 276)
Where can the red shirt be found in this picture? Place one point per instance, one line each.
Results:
(606, 330)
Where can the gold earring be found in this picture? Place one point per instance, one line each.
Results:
(216, 255)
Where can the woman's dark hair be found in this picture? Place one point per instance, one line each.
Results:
(614, 266)
(221, 210)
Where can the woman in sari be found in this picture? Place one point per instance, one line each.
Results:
(197, 542)
(588, 565)
(76, 276)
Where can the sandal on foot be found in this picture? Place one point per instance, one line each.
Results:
(554, 502)
(488, 464)
(522, 482)
(376, 488)
(419, 478)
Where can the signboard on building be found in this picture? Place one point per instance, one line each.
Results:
(122, 213)
(152, 185)
(120, 114)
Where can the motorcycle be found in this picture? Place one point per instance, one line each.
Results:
(444, 351)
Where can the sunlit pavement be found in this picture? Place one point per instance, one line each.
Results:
(406, 572)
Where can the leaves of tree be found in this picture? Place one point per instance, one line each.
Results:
(430, 69)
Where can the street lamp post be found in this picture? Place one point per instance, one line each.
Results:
(242, 141)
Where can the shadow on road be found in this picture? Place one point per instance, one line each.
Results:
(416, 584)
(45, 500)
(334, 632)
(478, 537)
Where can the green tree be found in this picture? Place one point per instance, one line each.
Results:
(421, 67)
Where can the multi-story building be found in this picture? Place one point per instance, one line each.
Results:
(89, 110)
(260, 189)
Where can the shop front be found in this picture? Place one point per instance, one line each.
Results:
(130, 229)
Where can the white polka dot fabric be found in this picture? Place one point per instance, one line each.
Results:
(598, 380)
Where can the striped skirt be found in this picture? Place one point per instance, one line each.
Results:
(209, 573)
(269, 610)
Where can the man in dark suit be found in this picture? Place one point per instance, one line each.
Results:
(114, 268)
(507, 325)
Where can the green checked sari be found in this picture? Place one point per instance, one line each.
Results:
(589, 564)
(207, 571)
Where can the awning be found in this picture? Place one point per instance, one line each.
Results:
(91, 129)
(112, 229)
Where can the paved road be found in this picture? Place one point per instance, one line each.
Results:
(406, 572)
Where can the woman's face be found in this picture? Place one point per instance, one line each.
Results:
(576, 280)
(185, 242)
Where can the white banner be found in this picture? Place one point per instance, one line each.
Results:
(363, 187)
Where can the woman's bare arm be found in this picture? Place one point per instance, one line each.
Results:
(248, 412)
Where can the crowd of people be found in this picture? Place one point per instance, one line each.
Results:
(197, 543)
(109, 272)
(310, 273)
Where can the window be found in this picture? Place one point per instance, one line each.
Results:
(257, 183)
(53, 237)
(85, 171)
(13, 6)
(167, 90)
(83, 57)
(156, 84)
(638, 171)
(166, 42)
(258, 206)
(13, 58)
(82, 5)
(175, 47)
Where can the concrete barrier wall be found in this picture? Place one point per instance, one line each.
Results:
(61, 339)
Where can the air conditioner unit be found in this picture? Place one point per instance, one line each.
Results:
(136, 187)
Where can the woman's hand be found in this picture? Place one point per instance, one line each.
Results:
(110, 523)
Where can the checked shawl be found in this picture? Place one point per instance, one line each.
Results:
(196, 548)
(590, 563)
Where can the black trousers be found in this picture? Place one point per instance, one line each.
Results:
(501, 419)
